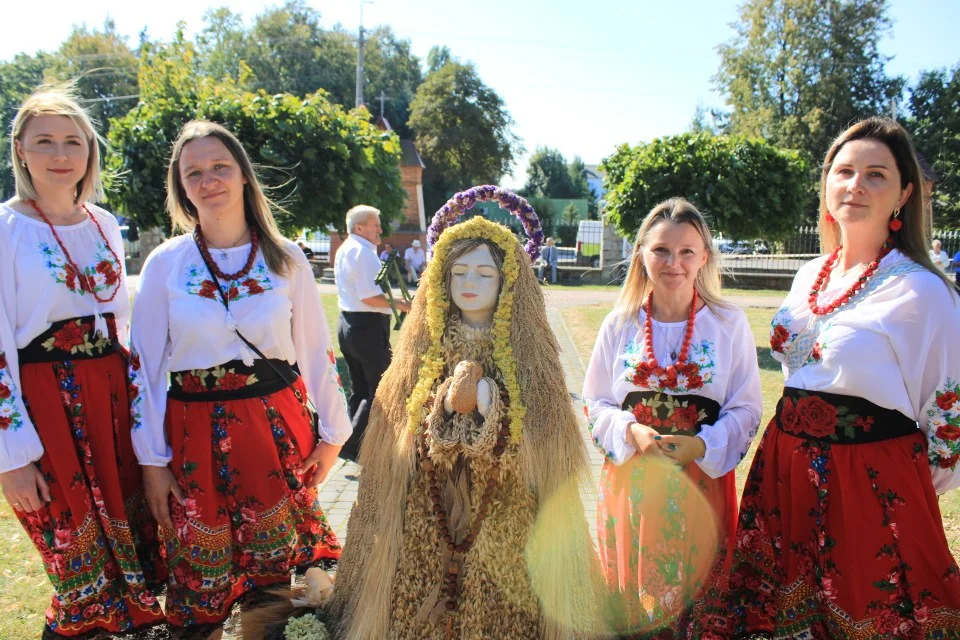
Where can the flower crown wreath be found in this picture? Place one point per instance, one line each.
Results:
(441, 236)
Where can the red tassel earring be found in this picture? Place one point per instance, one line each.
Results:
(829, 218)
(895, 223)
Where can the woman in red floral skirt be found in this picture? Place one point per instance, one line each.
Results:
(840, 533)
(67, 465)
(673, 378)
(230, 453)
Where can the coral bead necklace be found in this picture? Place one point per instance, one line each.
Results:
(228, 277)
(844, 298)
(648, 367)
(85, 281)
(687, 336)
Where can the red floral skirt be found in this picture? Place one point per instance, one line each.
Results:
(247, 519)
(840, 533)
(96, 537)
(665, 534)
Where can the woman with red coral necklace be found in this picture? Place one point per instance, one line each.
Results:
(673, 377)
(840, 534)
(67, 465)
(230, 452)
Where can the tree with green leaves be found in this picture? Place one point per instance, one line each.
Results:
(315, 158)
(103, 68)
(548, 175)
(18, 79)
(748, 187)
(935, 125)
(463, 131)
(797, 72)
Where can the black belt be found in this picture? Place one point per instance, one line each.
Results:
(838, 418)
(72, 339)
(681, 414)
(231, 381)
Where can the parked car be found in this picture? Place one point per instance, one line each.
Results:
(736, 247)
(761, 248)
(315, 244)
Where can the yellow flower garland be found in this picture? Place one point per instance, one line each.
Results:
(438, 305)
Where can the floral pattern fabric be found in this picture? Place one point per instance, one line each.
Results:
(254, 283)
(102, 277)
(10, 416)
(943, 416)
(689, 376)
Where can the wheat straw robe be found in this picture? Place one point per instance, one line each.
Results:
(394, 561)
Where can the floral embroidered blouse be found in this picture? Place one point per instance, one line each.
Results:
(723, 350)
(36, 290)
(180, 324)
(896, 344)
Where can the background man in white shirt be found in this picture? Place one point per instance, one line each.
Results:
(940, 257)
(415, 261)
(364, 327)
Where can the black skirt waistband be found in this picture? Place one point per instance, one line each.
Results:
(838, 418)
(232, 380)
(72, 339)
(681, 414)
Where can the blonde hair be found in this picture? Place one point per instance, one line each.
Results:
(637, 284)
(913, 237)
(57, 100)
(257, 208)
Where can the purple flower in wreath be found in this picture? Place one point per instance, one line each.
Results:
(505, 199)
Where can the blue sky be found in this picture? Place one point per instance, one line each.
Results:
(579, 76)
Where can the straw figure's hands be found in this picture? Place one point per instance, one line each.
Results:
(643, 439)
(24, 488)
(682, 449)
(464, 389)
(323, 457)
(158, 484)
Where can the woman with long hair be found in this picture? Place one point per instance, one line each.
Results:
(468, 522)
(230, 452)
(673, 378)
(840, 533)
(67, 465)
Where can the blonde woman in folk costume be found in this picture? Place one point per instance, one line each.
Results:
(673, 378)
(840, 533)
(67, 465)
(471, 436)
(229, 453)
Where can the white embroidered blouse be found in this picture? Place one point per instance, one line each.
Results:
(724, 351)
(36, 290)
(896, 344)
(180, 324)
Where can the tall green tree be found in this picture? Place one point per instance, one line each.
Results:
(748, 187)
(548, 175)
(935, 124)
(798, 71)
(103, 68)
(463, 131)
(316, 158)
(18, 79)
(222, 44)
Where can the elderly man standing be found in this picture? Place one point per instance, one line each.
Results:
(364, 327)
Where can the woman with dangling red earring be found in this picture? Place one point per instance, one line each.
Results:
(67, 464)
(229, 346)
(840, 533)
(673, 382)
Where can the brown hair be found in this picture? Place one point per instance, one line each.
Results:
(913, 237)
(257, 208)
(57, 100)
(636, 285)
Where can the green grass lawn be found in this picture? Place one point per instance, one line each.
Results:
(584, 322)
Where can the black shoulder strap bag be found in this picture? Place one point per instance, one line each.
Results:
(287, 373)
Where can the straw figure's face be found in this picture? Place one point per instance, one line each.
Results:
(475, 285)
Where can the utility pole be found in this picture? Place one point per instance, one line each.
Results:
(360, 43)
(893, 108)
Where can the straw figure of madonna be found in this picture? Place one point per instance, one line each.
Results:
(471, 444)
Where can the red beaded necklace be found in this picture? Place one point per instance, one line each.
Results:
(648, 332)
(86, 282)
(843, 299)
(254, 244)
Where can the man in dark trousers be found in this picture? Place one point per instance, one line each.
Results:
(364, 327)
